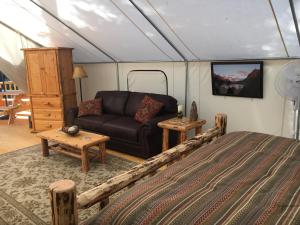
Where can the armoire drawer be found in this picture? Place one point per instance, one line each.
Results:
(41, 125)
(46, 102)
(49, 114)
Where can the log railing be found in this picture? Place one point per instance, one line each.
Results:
(8, 86)
(64, 205)
(4, 87)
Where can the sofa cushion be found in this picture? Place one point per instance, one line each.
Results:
(135, 98)
(90, 107)
(94, 123)
(113, 102)
(125, 128)
(148, 108)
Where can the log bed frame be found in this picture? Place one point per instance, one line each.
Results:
(65, 202)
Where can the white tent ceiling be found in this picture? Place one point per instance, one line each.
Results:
(199, 29)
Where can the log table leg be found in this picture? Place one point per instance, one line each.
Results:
(198, 130)
(45, 147)
(85, 160)
(165, 139)
(63, 203)
(183, 136)
(102, 152)
(12, 116)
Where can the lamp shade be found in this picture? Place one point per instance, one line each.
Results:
(79, 72)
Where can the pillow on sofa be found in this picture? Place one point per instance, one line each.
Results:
(147, 109)
(90, 107)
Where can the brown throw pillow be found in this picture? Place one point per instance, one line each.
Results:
(147, 109)
(90, 107)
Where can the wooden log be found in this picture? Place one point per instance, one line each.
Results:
(12, 116)
(198, 130)
(102, 152)
(85, 160)
(117, 183)
(62, 150)
(165, 139)
(63, 202)
(183, 136)
(221, 122)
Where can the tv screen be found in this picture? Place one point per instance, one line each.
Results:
(239, 79)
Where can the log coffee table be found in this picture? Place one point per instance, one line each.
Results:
(75, 146)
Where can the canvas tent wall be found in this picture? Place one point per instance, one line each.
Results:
(147, 34)
(11, 58)
(115, 30)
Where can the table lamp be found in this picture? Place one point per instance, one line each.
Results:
(79, 73)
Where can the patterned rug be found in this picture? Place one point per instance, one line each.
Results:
(25, 177)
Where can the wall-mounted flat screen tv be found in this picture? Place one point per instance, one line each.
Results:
(239, 79)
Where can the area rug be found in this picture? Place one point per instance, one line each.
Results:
(25, 177)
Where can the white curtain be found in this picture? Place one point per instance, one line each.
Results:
(11, 56)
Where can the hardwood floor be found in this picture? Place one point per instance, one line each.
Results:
(18, 136)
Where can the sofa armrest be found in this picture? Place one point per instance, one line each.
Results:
(71, 116)
(154, 121)
(151, 134)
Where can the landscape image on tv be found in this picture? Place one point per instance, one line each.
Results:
(238, 79)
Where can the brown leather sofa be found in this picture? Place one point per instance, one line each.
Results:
(117, 121)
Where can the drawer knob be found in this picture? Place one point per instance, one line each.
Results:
(47, 103)
(49, 114)
(50, 126)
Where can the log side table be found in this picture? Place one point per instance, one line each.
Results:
(183, 125)
(75, 146)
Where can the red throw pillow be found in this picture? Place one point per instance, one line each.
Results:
(148, 108)
(90, 107)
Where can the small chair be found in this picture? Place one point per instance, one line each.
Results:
(19, 104)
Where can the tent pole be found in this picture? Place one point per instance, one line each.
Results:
(118, 76)
(3, 88)
(295, 19)
(158, 30)
(297, 119)
(278, 28)
(76, 32)
(170, 43)
(18, 32)
(186, 86)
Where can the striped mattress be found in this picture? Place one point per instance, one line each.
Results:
(242, 178)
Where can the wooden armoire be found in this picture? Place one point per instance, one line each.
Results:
(51, 87)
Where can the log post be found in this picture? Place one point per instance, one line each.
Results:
(63, 202)
(221, 122)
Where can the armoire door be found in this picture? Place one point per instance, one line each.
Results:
(34, 60)
(50, 74)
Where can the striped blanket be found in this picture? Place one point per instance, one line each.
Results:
(242, 178)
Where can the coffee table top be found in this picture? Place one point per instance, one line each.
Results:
(181, 124)
(82, 140)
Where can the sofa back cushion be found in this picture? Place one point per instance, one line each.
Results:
(135, 98)
(113, 102)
